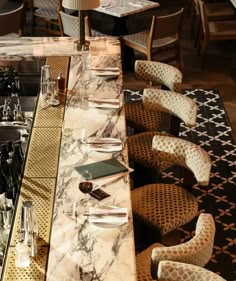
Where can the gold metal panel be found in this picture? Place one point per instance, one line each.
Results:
(50, 116)
(41, 192)
(43, 155)
(35, 272)
(58, 64)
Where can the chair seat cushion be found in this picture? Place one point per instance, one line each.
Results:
(145, 120)
(163, 207)
(140, 151)
(141, 39)
(221, 29)
(143, 263)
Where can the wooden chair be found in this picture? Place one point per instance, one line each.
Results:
(161, 208)
(196, 251)
(162, 37)
(69, 25)
(156, 73)
(213, 31)
(11, 22)
(214, 11)
(44, 16)
(176, 271)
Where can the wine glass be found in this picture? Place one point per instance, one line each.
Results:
(85, 185)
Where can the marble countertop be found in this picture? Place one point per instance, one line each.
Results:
(23, 48)
(122, 8)
(80, 250)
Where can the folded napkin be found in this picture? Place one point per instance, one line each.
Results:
(106, 72)
(104, 102)
(105, 144)
(137, 4)
(108, 215)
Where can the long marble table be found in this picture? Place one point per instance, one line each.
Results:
(71, 248)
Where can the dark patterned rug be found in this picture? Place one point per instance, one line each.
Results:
(213, 133)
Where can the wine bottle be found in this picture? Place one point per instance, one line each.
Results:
(18, 159)
(3, 185)
(4, 157)
(12, 185)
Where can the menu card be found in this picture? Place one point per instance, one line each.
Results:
(103, 168)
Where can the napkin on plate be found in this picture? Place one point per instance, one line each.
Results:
(105, 103)
(104, 145)
(136, 4)
(108, 215)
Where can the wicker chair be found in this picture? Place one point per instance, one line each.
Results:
(196, 251)
(147, 167)
(163, 34)
(162, 74)
(11, 22)
(69, 25)
(44, 16)
(164, 207)
(176, 271)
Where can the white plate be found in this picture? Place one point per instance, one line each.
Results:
(108, 224)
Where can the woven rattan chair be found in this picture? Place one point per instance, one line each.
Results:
(69, 26)
(156, 73)
(162, 36)
(213, 30)
(180, 108)
(11, 22)
(165, 207)
(196, 251)
(44, 16)
(176, 271)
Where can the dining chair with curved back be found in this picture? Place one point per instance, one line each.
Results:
(44, 16)
(69, 25)
(156, 73)
(196, 251)
(140, 149)
(176, 271)
(213, 30)
(162, 207)
(163, 35)
(11, 23)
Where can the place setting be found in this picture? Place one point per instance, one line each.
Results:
(105, 103)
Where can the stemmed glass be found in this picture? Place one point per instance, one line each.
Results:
(85, 185)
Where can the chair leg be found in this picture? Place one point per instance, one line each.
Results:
(203, 51)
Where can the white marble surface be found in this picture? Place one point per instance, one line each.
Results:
(23, 48)
(122, 8)
(80, 250)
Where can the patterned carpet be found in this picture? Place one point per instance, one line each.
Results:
(213, 133)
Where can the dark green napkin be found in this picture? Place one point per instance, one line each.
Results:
(103, 168)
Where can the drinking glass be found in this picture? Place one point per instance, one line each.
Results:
(85, 185)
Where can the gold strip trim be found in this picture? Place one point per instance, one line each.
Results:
(41, 192)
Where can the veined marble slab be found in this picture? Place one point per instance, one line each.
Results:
(122, 8)
(24, 48)
(80, 250)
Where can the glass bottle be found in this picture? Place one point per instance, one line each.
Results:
(18, 159)
(4, 157)
(12, 185)
(60, 83)
(3, 185)
(22, 254)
